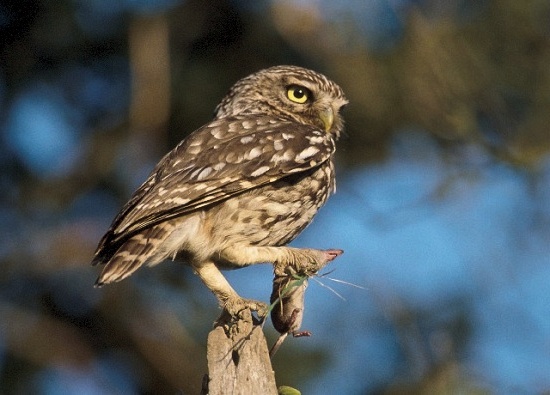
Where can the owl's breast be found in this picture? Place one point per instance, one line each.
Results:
(276, 213)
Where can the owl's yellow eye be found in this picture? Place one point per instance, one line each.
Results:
(298, 94)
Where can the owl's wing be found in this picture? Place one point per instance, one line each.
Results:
(220, 160)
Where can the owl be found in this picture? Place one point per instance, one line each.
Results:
(237, 190)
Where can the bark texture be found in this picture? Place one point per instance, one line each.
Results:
(238, 359)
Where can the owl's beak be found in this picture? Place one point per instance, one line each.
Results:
(327, 117)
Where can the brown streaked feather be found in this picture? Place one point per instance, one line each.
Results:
(214, 163)
(134, 253)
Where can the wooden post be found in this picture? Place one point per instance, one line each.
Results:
(238, 359)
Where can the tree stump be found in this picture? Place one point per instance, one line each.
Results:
(238, 359)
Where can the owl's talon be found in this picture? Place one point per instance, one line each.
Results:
(234, 307)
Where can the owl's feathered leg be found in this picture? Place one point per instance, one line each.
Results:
(226, 295)
(302, 260)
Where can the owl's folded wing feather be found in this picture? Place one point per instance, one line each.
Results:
(222, 159)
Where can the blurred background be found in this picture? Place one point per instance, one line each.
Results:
(442, 208)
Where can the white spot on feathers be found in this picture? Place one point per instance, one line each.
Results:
(278, 145)
(259, 171)
(204, 173)
(254, 153)
(287, 136)
(217, 133)
(307, 153)
(178, 201)
(315, 140)
(247, 139)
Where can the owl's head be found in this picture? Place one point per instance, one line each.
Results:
(289, 92)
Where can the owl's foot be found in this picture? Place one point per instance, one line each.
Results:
(236, 305)
(237, 318)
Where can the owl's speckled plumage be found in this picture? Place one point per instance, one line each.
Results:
(238, 189)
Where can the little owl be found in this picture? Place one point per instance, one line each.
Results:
(237, 190)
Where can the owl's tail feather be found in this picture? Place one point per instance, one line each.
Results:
(140, 249)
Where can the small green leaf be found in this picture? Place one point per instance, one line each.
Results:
(286, 390)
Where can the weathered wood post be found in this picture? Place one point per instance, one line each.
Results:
(238, 359)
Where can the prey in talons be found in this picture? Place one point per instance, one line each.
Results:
(288, 297)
